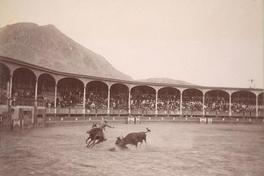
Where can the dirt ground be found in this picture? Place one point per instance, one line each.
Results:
(171, 149)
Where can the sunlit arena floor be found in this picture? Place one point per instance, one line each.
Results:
(171, 149)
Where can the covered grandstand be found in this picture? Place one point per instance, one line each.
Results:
(24, 84)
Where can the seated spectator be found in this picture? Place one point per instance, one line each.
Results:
(192, 104)
(143, 102)
(168, 103)
(216, 104)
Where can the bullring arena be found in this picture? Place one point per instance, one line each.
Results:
(52, 90)
(195, 130)
(50, 96)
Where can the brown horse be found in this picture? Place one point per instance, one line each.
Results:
(96, 136)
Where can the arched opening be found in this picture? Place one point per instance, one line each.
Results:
(243, 103)
(192, 102)
(96, 96)
(70, 93)
(261, 104)
(169, 100)
(23, 88)
(46, 90)
(216, 102)
(142, 99)
(119, 98)
(4, 80)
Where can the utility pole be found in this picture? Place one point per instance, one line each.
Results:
(251, 84)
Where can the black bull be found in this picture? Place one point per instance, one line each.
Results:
(131, 138)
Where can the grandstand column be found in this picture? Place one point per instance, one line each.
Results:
(55, 95)
(129, 97)
(10, 88)
(230, 103)
(181, 90)
(156, 102)
(108, 99)
(181, 103)
(203, 102)
(84, 95)
(36, 91)
(36, 102)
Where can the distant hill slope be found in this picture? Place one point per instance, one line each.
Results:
(46, 46)
(165, 80)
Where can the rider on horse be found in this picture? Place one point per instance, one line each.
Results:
(97, 134)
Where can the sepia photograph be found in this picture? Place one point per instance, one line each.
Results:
(131, 88)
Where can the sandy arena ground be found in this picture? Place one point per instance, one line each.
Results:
(171, 149)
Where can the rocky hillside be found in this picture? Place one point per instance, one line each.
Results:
(46, 46)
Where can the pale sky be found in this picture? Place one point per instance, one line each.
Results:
(205, 42)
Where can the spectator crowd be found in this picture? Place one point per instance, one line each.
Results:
(139, 102)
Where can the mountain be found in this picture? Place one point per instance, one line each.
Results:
(47, 47)
(166, 81)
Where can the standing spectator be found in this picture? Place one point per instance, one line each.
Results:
(21, 118)
(12, 118)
